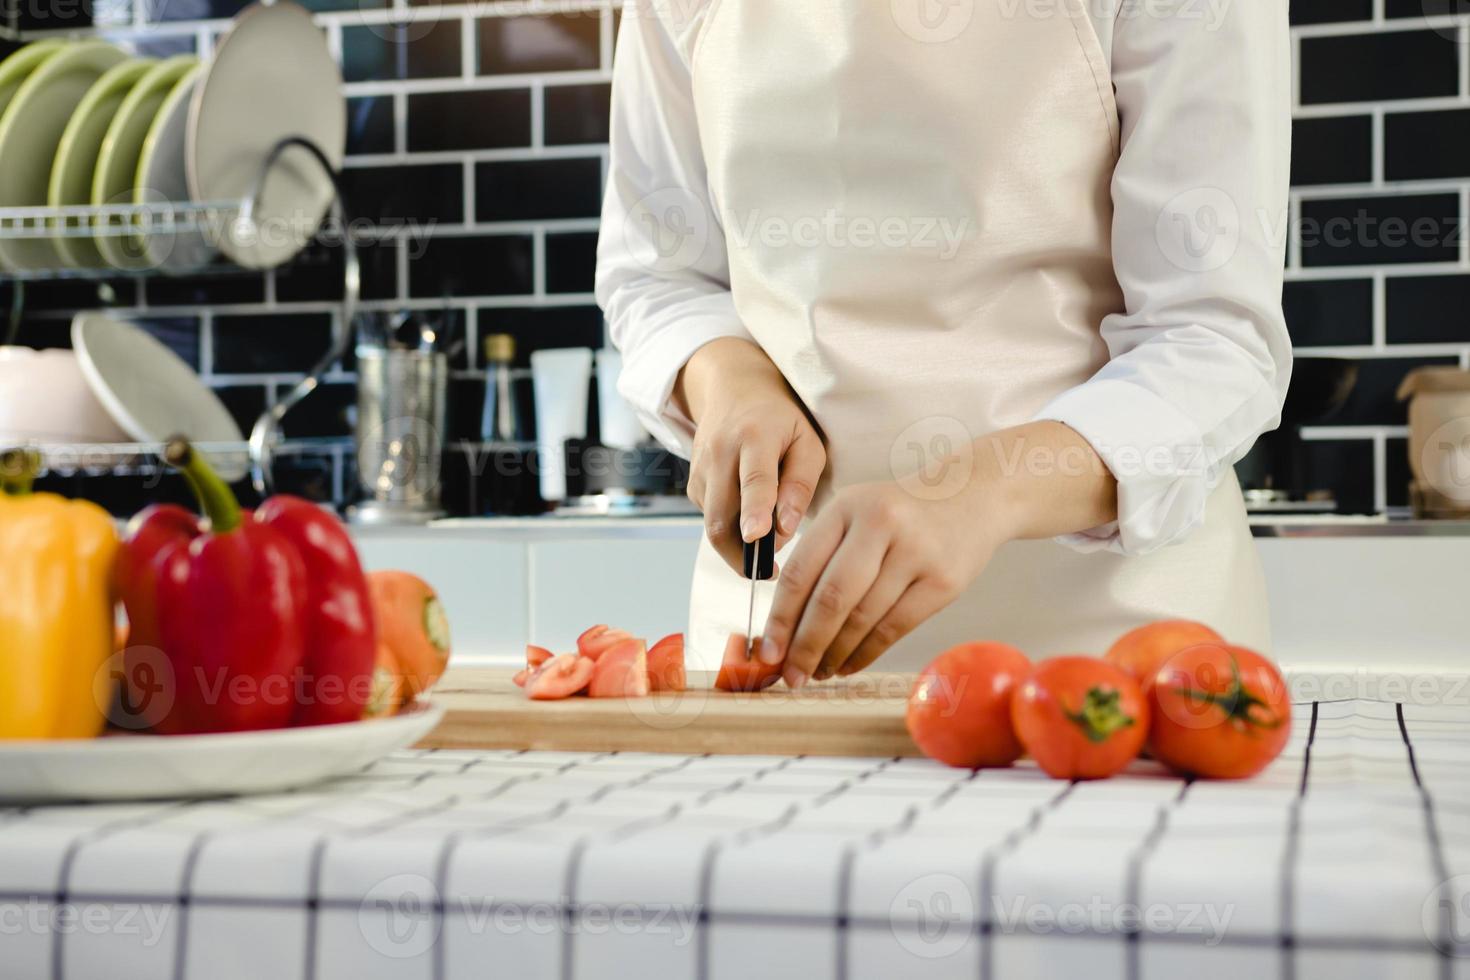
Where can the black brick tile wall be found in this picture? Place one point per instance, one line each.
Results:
(479, 134)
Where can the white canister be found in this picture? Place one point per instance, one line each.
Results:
(1439, 437)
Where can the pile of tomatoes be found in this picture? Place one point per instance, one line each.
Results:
(1175, 689)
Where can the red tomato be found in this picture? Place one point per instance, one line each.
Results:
(620, 671)
(1141, 652)
(960, 708)
(536, 656)
(599, 639)
(1219, 711)
(666, 664)
(522, 675)
(560, 677)
(1080, 717)
(739, 674)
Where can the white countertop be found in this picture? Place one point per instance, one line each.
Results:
(445, 865)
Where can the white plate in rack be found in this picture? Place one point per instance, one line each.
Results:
(272, 76)
(150, 392)
(156, 767)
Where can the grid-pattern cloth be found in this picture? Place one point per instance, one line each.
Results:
(1339, 861)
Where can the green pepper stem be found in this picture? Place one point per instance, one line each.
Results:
(215, 497)
(18, 471)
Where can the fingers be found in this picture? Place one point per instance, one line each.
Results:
(920, 601)
(721, 506)
(801, 469)
(848, 577)
(892, 583)
(758, 464)
(800, 575)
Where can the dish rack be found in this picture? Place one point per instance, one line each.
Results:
(114, 220)
(165, 218)
(214, 220)
(145, 458)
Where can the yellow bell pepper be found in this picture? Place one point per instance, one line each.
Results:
(56, 609)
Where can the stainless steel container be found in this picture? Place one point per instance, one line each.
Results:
(401, 398)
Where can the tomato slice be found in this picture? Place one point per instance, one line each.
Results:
(666, 664)
(739, 674)
(959, 711)
(1080, 717)
(522, 675)
(620, 671)
(600, 639)
(560, 677)
(536, 656)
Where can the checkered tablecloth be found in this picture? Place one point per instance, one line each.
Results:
(1340, 861)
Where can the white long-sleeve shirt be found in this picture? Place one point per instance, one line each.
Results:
(1200, 357)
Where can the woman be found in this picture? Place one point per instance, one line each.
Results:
(986, 292)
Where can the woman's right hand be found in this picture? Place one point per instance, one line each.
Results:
(756, 452)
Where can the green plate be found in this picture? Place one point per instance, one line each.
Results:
(30, 132)
(76, 158)
(18, 67)
(122, 147)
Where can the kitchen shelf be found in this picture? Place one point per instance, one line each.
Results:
(144, 459)
(211, 220)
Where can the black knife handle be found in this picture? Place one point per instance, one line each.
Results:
(760, 557)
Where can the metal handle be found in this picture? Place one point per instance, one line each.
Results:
(266, 433)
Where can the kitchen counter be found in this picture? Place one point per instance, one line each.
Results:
(1369, 526)
(691, 526)
(1340, 860)
(1359, 599)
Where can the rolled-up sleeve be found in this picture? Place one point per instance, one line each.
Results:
(662, 266)
(1200, 357)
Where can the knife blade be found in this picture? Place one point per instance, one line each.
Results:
(760, 566)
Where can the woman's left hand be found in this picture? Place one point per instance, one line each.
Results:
(881, 558)
(875, 564)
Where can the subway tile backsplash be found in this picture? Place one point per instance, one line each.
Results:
(483, 128)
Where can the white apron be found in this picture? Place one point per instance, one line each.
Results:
(915, 196)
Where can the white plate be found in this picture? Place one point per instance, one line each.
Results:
(146, 767)
(272, 76)
(150, 391)
(161, 178)
(30, 133)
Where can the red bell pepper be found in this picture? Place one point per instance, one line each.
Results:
(251, 621)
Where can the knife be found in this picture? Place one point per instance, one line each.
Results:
(760, 566)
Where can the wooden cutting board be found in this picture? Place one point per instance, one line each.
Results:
(856, 716)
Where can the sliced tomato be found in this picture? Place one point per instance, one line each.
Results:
(1140, 653)
(600, 639)
(739, 674)
(522, 675)
(666, 664)
(1219, 711)
(959, 711)
(559, 677)
(620, 671)
(1080, 717)
(536, 656)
